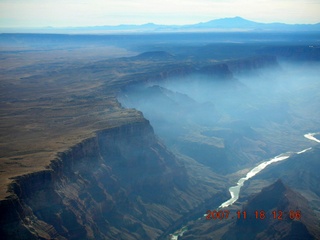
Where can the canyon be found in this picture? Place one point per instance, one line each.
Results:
(108, 186)
(112, 144)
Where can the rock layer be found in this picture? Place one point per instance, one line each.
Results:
(88, 193)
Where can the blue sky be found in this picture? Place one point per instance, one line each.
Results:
(63, 13)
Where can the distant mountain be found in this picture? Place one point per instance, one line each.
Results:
(238, 23)
(220, 25)
(230, 23)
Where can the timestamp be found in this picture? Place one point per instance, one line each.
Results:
(257, 214)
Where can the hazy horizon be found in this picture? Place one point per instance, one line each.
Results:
(135, 136)
(57, 14)
(153, 23)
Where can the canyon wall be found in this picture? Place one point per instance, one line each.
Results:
(121, 184)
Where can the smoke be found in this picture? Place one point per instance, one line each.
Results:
(227, 124)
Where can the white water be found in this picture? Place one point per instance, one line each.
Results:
(311, 137)
(235, 190)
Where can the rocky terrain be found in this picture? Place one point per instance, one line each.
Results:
(276, 212)
(123, 183)
(275, 222)
(79, 162)
(300, 173)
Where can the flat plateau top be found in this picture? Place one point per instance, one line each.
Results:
(49, 102)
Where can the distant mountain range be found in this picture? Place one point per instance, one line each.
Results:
(218, 25)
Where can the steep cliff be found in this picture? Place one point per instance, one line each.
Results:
(247, 65)
(120, 184)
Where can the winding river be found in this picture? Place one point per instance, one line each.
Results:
(235, 190)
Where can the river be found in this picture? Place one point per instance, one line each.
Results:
(235, 190)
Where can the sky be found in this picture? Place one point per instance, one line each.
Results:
(66, 13)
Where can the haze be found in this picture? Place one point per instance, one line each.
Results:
(36, 13)
(80, 162)
(251, 115)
